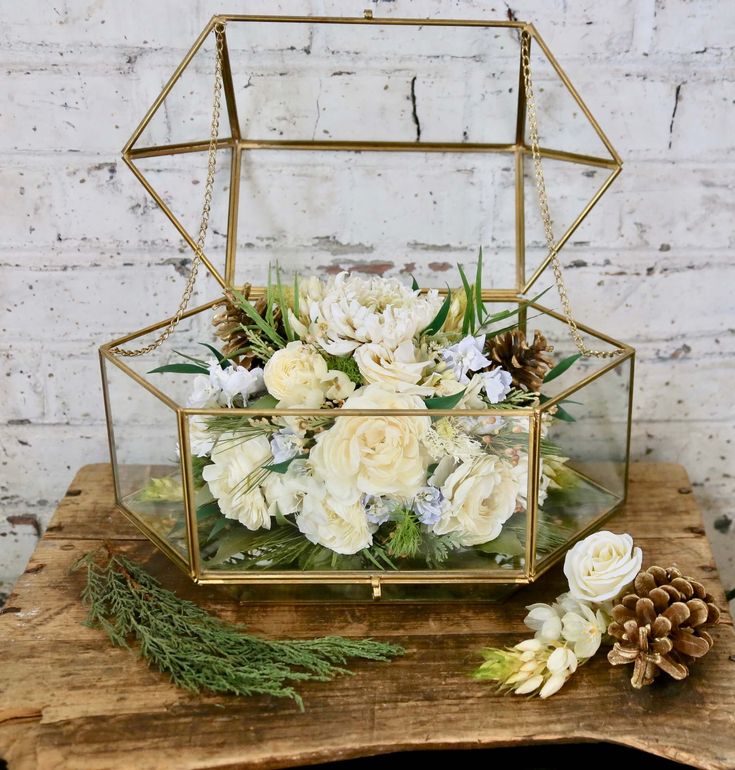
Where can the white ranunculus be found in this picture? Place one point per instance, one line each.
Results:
(295, 375)
(601, 566)
(397, 368)
(233, 459)
(375, 454)
(340, 525)
(481, 497)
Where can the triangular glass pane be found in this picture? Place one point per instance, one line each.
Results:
(179, 180)
(185, 115)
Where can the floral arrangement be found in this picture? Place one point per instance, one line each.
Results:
(320, 490)
(655, 619)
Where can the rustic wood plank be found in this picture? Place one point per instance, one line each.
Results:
(70, 700)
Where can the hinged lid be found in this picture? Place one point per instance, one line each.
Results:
(372, 143)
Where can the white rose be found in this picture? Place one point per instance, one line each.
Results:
(233, 460)
(481, 497)
(397, 368)
(376, 454)
(340, 525)
(295, 374)
(601, 566)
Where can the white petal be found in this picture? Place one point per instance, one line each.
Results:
(557, 661)
(554, 684)
(529, 644)
(530, 685)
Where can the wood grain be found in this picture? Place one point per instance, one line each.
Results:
(70, 700)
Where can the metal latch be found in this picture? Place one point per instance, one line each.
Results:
(375, 583)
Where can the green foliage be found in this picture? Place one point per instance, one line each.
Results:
(444, 402)
(441, 316)
(180, 369)
(561, 367)
(405, 540)
(348, 365)
(199, 651)
(198, 464)
(266, 326)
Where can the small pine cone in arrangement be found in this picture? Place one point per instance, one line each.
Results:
(527, 363)
(661, 627)
(231, 323)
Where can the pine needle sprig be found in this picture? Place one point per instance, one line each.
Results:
(199, 651)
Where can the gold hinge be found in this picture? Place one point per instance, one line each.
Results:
(375, 583)
(367, 13)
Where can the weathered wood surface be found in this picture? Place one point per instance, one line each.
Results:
(70, 700)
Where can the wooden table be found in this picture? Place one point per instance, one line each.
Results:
(68, 699)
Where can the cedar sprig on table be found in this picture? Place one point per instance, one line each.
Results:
(199, 651)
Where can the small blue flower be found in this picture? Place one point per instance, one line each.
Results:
(286, 444)
(428, 505)
(466, 356)
(378, 509)
(497, 384)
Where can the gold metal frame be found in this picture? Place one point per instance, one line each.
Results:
(237, 144)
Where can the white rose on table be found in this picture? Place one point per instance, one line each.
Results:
(481, 497)
(232, 461)
(397, 368)
(375, 454)
(601, 566)
(298, 376)
(340, 525)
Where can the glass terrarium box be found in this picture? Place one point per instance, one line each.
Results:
(373, 397)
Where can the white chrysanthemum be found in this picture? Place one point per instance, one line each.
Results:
(233, 460)
(355, 310)
(481, 497)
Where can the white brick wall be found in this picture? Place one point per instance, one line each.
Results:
(84, 255)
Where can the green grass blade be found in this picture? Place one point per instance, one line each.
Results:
(561, 367)
(180, 369)
(441, 316)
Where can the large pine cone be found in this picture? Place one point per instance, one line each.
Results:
(527, 364)
(661, 627)
(230, 324)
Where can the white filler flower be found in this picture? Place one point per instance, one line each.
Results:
(601, 565)
(466, 356)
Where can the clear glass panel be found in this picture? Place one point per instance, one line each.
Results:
(384, 214)
(146, 463)
(373, 492)
(584, 453)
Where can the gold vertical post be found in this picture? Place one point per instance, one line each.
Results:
(534, 449)
(233, 211)
(229, 89)
(192, 532)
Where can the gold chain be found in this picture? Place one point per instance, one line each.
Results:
(544, 207)
(219, 31)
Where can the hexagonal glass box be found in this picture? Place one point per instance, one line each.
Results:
(428, 495)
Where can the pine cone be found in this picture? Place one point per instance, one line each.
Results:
(661, 626)
(229, 323)
(527, 364)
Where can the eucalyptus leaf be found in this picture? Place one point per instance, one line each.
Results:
(441, 316)
(266, 401)
(232, 543)
(221, 358)
(217, 527)
(180, 369)
(444, 402)
(561, 367)
(281, 467)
